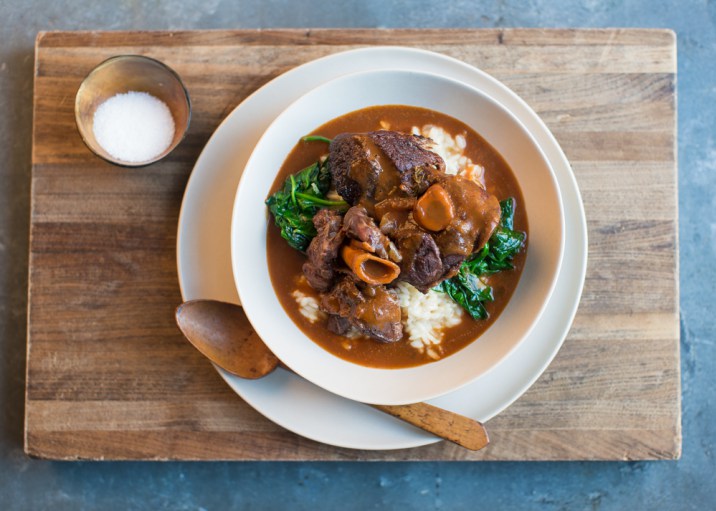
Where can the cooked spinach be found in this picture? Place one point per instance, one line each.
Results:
(298, 200)
(468, 291)
(316, 138)
(466, 288)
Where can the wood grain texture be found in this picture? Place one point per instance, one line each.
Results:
(109, 376)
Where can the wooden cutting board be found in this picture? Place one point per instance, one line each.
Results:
(109, 376)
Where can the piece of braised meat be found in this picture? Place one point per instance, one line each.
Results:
(374, 311)
(337, 324)
(422, 265)
(393, 212)
(368, 167)
(451, 265)
(323, 250)
(462, 217)
(477, 215)
(360, 226)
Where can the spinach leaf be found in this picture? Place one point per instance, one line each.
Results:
(298, 200)
(468, 291)
(466, 288)
(316, 138)
(507, 208)
(505, 242)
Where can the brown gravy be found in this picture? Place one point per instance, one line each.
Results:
(285, 263)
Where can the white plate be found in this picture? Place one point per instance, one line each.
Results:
(204, 259)
(454, 98)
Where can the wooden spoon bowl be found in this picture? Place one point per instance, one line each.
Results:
(219, 331)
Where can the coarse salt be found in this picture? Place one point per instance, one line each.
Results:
(134, 126)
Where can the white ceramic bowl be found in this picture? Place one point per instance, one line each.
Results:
(250, 219)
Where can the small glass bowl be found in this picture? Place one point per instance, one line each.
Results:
(126, 73)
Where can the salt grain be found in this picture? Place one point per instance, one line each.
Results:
(134, 127)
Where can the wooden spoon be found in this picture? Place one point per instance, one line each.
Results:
(222, 333)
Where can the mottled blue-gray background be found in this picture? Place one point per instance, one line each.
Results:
(689, 483)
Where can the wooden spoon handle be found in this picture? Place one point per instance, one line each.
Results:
(445, 424)
(454, 427)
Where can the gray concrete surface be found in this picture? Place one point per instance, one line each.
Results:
(686, 484)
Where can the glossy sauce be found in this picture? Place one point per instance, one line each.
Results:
(285, 263)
